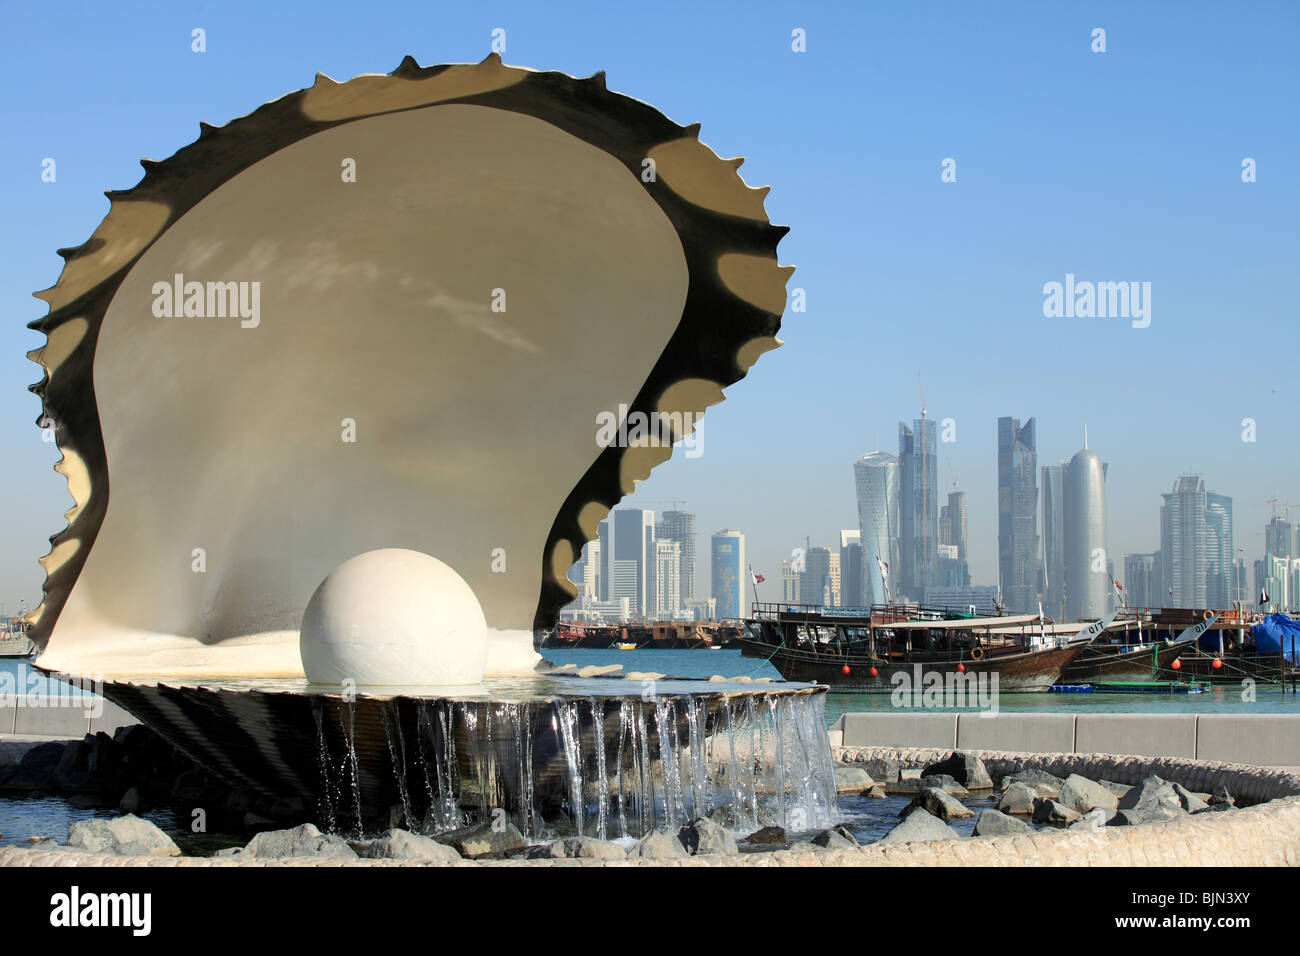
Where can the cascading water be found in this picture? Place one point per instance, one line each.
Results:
(605, 766)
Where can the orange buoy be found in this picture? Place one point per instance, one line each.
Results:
(1177, 665)
(1217, 664)
(846, 669)
(874, 672)
(961, 668)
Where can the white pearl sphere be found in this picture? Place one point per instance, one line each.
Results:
(393, 617)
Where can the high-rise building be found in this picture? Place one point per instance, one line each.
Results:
(951, 571)
(1087, 585)
(1054, 539)
(1018, 514)
(728, 574)
(1220, 558)
(918, 507)
(876, 477)
(627, 539)
(667, 580)
(1279, 540)
(816, 585)
(679, 526)
(789, 583)
(1139, 589)
(852, 569)
(1182, 542)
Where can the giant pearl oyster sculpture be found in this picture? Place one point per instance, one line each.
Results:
(385, 313)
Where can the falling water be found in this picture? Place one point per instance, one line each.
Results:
(747, 760)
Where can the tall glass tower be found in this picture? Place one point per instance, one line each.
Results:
(1054, 539)
(1087, 583)
(728, 574)
(1182, 542)
(876, 478)
(918, 508)
(1018, 514)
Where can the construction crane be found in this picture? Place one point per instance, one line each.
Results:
(951, 472)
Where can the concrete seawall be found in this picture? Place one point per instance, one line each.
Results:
(1264, 740)
(62, 721)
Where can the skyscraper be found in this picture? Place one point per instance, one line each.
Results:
(679, 526)
(1087, 587)
(816, 585)
(728, 574)
(1139, 588)
(1220, 558)
(1018, 514)
(1054, 538)
(1182, 542)
(918, 508)
(628, 558)
(876, 477)
(667, 580)
(852, 569)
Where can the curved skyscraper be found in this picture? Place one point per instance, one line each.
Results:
(1087, 582)
(876, 478)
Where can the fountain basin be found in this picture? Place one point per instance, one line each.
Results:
(551, 756)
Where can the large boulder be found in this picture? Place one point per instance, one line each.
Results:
(995, 823)
(836, 838)
(1037, 778)
(1221, 797)
(126, 835)
(967, 769)
(1152, 801)
(404, 845)
(484, 840)
(881, 769)
(765, 837)
(305, 840)
(1051, 812)
(938, 802)
(1093, 819)
(1191, 802)
(702, 836)
(945, 783)
(852, 779)
(659, 845)
(919, 827)
(1019, 798)
(585, 848)
(1081, 795)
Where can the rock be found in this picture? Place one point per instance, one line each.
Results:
(938, 802)
(852, 780)
(1119, 789)
(1152, 801)
(836, 838)
(659, 845)
(876, 793)
(996, 823)
(906, 787)
(287, 809)
(484, 840)
(125, 836)
(86, 801)
(920, 826)
(1039, 778)
(1221, 797)
(238, 802)
(767, 836)
(1081, 795)
(585, 848)
(255, 821)
(304, 840)
(404, 845)
(1019, 798)
(880, 768)
(947, 784)
(1050, 811)
(703, 836)
(1093, 819)
(130, 802)
(909, 773)
(230, 851)
(41, 763)
(1192, 802)
(967, 769)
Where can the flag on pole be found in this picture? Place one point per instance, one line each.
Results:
(758, 578)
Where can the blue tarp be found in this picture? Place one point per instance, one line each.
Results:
(1276, 633)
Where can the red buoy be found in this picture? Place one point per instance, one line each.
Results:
(1217, 664)
(961, 668)
(874, 672)
(1177, 665)
(846, 669)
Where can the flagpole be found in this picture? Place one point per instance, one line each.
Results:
(754, 581)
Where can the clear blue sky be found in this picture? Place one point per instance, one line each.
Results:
(1123, 165)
